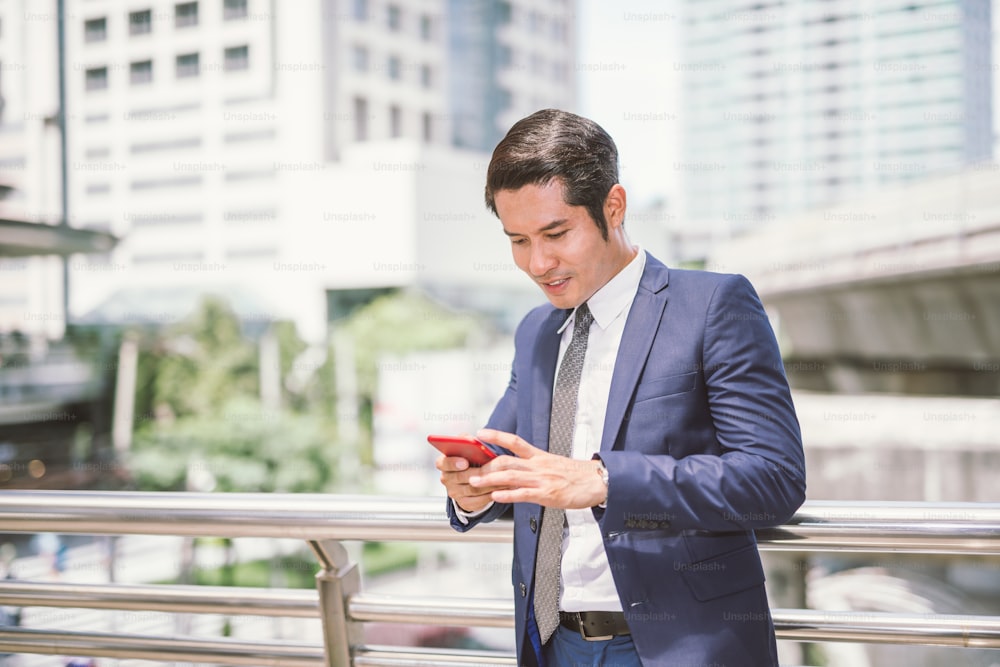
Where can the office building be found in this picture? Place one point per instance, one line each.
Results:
(275, 152)
(789, 107)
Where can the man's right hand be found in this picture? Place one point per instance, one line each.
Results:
(455, 474)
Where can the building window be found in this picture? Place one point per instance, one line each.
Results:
(505, 57)
(534, 22)
(97, 78)
(359, 9)
(395, 18)
(558, 71)
(360, 119)
(426, 76)
(428, 126)
(537, 64)
(395, 68)
(504, 12)
(234, 9)
(140, 22)
(187, 65)
(426, 28)
(95, 30)
(185, 14)
(559, 30)
(236, 58)
(505, 100)
(140, 72)
(395, 122)
(359, 55)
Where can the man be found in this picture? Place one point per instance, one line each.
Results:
(646, 461)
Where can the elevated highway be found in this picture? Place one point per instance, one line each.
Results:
(897, 292)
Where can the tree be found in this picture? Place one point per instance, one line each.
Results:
(202, 426)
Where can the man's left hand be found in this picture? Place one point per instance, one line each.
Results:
(535, 476)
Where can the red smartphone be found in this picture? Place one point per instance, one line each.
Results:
(463, 445)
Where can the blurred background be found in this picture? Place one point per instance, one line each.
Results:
(243, 247)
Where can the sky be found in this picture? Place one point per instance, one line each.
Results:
(628, 85)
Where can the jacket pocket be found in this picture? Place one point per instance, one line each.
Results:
(665, 386)
(725, 574)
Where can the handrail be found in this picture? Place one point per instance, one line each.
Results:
(967, 631)
(326, 520)
(972, 631)
(291, 603)
(897, 527)
(147, 647)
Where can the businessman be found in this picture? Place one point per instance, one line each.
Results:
(647, 429)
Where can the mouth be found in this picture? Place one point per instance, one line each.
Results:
(554, 286)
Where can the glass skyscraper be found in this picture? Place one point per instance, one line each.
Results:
(789, 106)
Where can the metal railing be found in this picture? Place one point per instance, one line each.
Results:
(324, 521)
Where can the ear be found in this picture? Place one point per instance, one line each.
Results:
(614, 206)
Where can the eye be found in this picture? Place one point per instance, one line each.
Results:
(556, 235)
(518, 241)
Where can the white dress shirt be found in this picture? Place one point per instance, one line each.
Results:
(587, 584)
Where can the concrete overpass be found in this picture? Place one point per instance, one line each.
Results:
(897, 292)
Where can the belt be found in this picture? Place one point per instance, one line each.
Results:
(595, 625)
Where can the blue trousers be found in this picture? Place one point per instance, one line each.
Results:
(567, 648)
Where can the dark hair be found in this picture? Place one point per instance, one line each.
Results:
(552, 144)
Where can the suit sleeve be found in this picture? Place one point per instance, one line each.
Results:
(755, 477)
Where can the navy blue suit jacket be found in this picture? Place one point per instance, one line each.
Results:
(702, 446)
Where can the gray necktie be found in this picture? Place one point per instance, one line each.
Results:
(561, 421)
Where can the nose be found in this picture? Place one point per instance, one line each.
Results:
(541, 261)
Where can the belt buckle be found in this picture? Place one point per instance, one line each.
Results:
(583, 631)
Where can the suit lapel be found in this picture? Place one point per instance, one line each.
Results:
(546, 353)
(640, 330)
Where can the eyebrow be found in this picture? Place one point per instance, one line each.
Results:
(547, 228)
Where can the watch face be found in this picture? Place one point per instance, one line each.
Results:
(603, 472)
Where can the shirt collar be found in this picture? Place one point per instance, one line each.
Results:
(615, 296)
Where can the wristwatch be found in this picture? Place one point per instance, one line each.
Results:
(603, 472)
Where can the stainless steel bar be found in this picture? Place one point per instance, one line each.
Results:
(322, 520)
(952, 528)
(966, 631)
(384, 656)
(141, 647)
(436, 610)
(308, 517)
(178, 599)
(796, 624)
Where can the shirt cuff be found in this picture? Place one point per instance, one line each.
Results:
(464, 516)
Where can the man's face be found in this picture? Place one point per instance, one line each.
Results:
(559, 246)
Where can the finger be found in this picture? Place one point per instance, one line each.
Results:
(451, 463)
(515, 444)
(503, 478)
(519, 495)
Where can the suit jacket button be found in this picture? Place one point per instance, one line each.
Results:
(524, 590)
(534, 524)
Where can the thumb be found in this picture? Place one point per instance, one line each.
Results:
(515, 444)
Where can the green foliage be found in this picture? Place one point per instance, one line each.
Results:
(243, 447)
(210, 431)
(295, 571)
(400, 323)
(200, 424)
(384, 557)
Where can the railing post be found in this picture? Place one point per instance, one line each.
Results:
(338, 579)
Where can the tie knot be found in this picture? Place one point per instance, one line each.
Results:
(583, 319)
